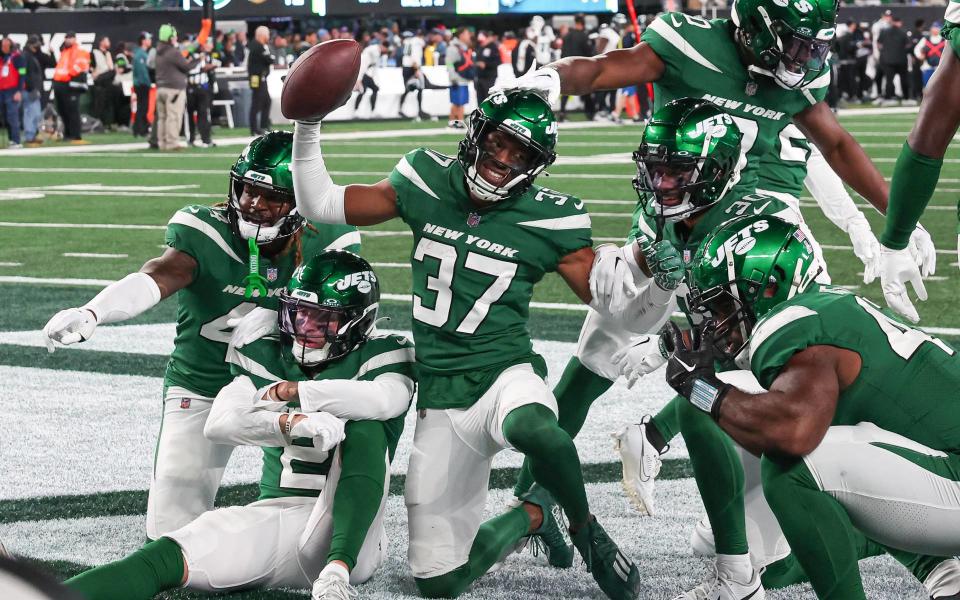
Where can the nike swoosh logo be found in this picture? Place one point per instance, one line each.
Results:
(757, 211)
(752, 594)
(688, 368)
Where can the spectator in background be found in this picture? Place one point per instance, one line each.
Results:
(374, 49)
(524, 54)
(123, 63)
(69, 83)
(846, 51)
(444, 41)
(201, 82)
(507, 43)
(141, 84)
(240, 48)
(864, 54)
(430, 56)
(577, 43)
(44, 60)
(929, 51)
(488, 61)
(104, 74)
(229, 49)
(916, 74)
(310, 40)
(885, 21)
(608, 39)
(894, 45)
(280, 51)
(13, 75)
(32, 91)
(324, 35)
(412, 53)
(258, 67)
(172, 69)
(462, 70)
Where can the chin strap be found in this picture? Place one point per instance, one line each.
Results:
(254, 281)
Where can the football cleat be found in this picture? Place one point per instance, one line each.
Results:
(701, 540)
(641, 465)
(943, 582)
(722, 587)
(4, 553)
(616, 574)
(332, 587)
(549, 536)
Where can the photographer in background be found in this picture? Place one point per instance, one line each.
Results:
(201, 86)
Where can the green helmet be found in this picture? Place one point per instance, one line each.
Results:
(694, 145)
(745, 268)
(329, 306)
(788, 39)
(524, 116)
(264, 164)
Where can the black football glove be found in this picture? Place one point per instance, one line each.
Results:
(690, 370)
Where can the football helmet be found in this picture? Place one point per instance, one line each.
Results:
(788, 39)
(329, 306)
(523, 115)
(264, 164)
(687, 160)
(744, 269)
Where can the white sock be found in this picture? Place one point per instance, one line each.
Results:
(944, 580)
(735, 566)
(336, 570)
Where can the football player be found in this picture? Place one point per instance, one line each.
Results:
(918, 169)
(858, 431)
(484, 234)
(222, 261)
(324, 484)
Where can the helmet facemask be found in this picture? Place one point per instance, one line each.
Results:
(264, 233)
(320, 334)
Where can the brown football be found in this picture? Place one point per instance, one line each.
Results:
(321, 80)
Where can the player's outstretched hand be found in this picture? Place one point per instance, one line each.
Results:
(611, 282)
(325, 429)
(865, 247)
(256, 324)
(923, 251)
(691, 369)
(69, 327)
(640, 357)
(543, 81)
(664, 262)
(897, 267)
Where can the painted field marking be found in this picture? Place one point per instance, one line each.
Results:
(93, 255)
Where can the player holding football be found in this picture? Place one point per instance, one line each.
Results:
(858, 431)
(484, 234)
(324, 484)
(255, 240)
(918, 169)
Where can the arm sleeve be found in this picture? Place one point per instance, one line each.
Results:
(125, 299)
(648, 311)
(318, 198)
(234, 420)
(386, 397)
(829, 192)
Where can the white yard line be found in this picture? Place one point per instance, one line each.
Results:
(11, 264)
(93, 255)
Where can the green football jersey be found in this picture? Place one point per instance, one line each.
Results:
(474, 272)
(216, 293)
(301, 469)
(784, 169)
(701, 60)
(909, 382)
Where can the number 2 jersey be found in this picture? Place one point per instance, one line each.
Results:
(909, 382)
(300, 469)
(217, 291)
(701, 60)
(474, 272)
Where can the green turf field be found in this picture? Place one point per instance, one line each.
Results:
(72, 222)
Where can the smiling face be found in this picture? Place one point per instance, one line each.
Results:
(669, 180)
(504, 157)
(262, 206)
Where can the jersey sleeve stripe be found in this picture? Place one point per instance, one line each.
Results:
(581, 221)
(250, 366)
(407, 170)
(768, 327)
(673, 37)
(379, 361)
(206, 229)
(953, 12)
(344, 241)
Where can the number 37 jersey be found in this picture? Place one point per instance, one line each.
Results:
(474, 272)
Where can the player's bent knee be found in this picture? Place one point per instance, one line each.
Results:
(533, 427)
(782, 479)
(448, 585)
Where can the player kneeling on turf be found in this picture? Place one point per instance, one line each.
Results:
(319, 518)
(859, 430)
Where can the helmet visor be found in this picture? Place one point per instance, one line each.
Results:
(312, 326)
(801, 54)
(669, 179)
(732, 318)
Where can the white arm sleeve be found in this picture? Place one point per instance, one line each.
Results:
(233, 419)
(828, 190)
(318, 198)
(124, 299)
(386, 397)
(648, 311)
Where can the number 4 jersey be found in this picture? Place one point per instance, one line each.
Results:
(474, 272)
(217, 291)
(909, 382)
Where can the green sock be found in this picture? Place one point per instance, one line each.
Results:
(533, 430)
(155, 567)
(915, 178)
(494, 537)
(359, 489)
(666, 423)
(576, 392)
(818, 529)
(719, 476)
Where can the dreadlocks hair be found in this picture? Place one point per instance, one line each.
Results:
(295, 239)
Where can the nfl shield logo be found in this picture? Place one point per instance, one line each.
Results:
(473, 219)
(751, 88)
(185, 403)
(686, 255)
(271, 273)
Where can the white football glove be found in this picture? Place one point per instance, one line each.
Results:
(923, 251)
(638, 358)
(544, 81)
(896, 268)
(251, 327)
(325, 429)
(69, 327)
(865, 246)
(611, 281)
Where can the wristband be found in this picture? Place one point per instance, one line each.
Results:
(708, 396)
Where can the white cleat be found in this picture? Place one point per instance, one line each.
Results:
(641, 465)
(721, 587)
(701, 540)
(4, 553)
(332, 587)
